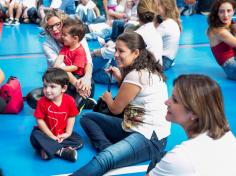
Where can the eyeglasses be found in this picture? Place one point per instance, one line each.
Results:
(51, 27)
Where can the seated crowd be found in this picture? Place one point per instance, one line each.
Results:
(139, 41)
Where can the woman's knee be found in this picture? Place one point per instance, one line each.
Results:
(230, 71)
(123, 153)
(86, 118)
(33, 137)
(83, 121)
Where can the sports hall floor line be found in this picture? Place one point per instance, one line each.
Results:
(197, 45)
(22, 56)
(120, 171)
(40, 55)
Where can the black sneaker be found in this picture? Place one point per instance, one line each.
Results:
(90, 103)
(15, 22)
(68, 154)
(8, 21)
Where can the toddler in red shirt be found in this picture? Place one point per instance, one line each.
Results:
(72, 54)
(55, 116)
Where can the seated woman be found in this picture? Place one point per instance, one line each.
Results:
(197, 105)
(141, 134)
(146, 14)
(169, 26)
(147, 29)
(221, 33)
(52, 45)
(53, 23)
(88, 12)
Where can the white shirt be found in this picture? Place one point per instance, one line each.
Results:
(170, 33)
(90, 5)
(152, 39)
(56, 4)
(200, 156)
(151, 98)
(29, 3)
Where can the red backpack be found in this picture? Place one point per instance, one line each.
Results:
(11, 92)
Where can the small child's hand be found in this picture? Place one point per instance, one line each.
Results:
(63, 136)
(55, 138)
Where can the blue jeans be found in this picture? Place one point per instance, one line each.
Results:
(118, 27)
(40, 141)
(105, 34)
(68, 6)
(117, 148)
(99, 66)
(230, 68)
(90, 16)
(167, 62)
(180, 3)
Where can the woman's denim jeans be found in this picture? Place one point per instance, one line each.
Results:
(118, 27)
(90, 17)
(68, 6)
(230, 68)
(167, 62)
(116, 147)
(99, 66)
(180, 3)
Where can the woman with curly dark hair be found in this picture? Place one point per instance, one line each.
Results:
(141, 134)
(221, 33)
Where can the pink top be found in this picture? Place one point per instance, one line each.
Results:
(223, 52)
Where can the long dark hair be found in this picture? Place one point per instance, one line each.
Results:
(145, 60)
(213, 18)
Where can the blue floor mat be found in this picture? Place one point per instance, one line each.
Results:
(17, 155)
(194, 30)
(22, 39)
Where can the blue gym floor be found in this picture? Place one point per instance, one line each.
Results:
(21, 56)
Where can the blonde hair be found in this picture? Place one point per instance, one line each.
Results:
(53, 13)
(146, 10)
(171, 10)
